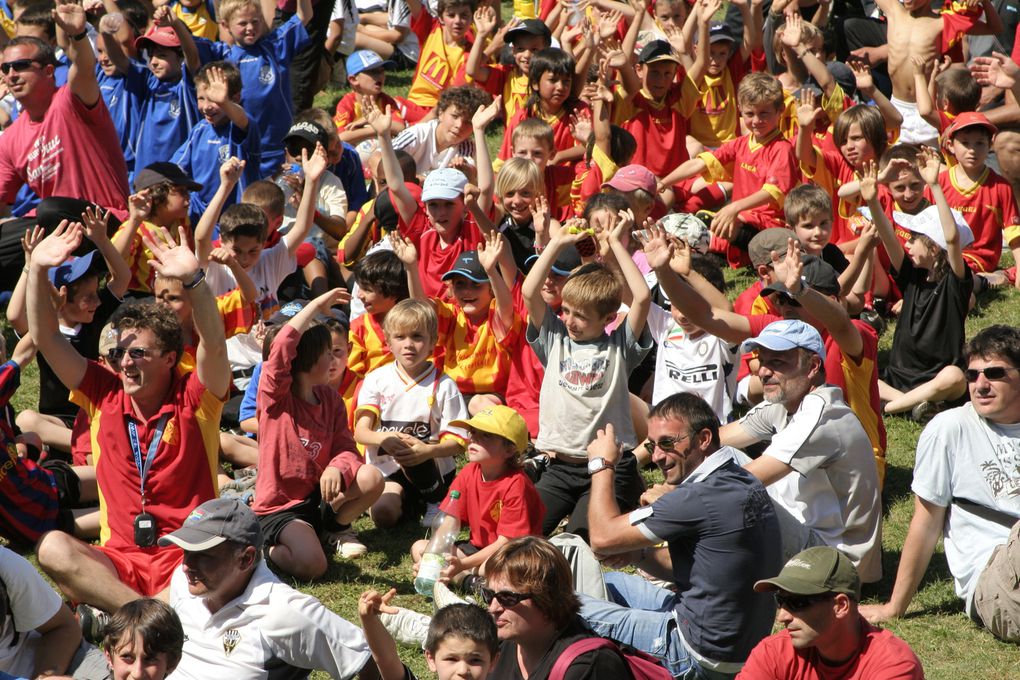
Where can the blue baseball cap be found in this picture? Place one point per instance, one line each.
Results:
(784, 335)
(364, 60)
(75, 268)
(468, 266)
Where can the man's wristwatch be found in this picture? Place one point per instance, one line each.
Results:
(804, 287)
(599, 464)
(80, 36)
(199, 278)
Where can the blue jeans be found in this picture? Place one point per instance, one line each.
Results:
(640, 615)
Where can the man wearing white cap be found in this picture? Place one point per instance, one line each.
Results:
(240, 621)
(812, 432)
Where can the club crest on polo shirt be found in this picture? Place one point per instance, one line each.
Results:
(266, 75)
(223, 152)
(230, 640)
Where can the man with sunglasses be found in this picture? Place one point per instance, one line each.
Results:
(154, 433)
(967, 489)
(824, 634)
(722, 535)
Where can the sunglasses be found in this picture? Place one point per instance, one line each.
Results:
(506, 598)
(18, 65)
(667, 444)
(991, 373)
(115, 354)
(796, 603)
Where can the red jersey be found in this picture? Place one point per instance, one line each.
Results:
(990, 210)
(440, 65)
(563, 138)
(475, 356)
(508, 506)
(349, 109)
(435, 257)
(509, 81)
(957, 20)
(752, 166)
(831, 172)
(559, 181)
(660, 130)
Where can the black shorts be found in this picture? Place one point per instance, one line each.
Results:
(68, 492)
(312, 511)
(412, 503)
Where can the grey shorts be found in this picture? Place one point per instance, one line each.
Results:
(997, 594)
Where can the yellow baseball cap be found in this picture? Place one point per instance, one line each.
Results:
(499, 420)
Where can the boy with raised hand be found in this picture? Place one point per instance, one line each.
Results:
(264, 57)
(509, 80)
(225, 131)
(366, 75)
(761, 165)
(445, 41)
(586, 371)
(438, 143)
(168, 109)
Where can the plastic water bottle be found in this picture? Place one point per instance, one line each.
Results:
(445, 529)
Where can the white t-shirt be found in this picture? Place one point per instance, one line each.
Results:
(962, 455)
(420, 141)
(347, 12)
(33, 603)
(703, 366)
(399, 16)
(332, 201)
(262, 632)
(833, 488)
(274, 265)
(420, 406)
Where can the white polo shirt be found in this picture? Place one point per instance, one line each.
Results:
(269, 631)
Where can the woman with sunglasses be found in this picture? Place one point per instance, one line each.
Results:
(529, 591)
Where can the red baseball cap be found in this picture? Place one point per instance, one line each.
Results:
(632, 177)
(160, 35)
(970, 119)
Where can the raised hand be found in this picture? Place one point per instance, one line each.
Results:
(404, 249)
(580, 125)
(371, 603)
(929, 163)
(163, 17)
(70, 16)
(540, 216)
(608, 22)
(485, 20)
(231, 170)
(140, 205)
(793, 31)
(862, 74)
(921, 66)
(31, 239)
(657, 246)
(216, 86)
(707, 9)
(808, 110)
(111, 23)
(624, 224)
(997, 70)
(378, 120)
(484, 115)
(314, 165)
(869, 181)
(169, 259)
(54, 250)
(788, 267)
(332, 298)
(95, 222)
(681, 260)
(490, 250)
(893, 169)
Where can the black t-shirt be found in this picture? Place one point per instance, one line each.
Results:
(53, 394)
(601, 664)
(930, 331)
(521, 239)
(834, 257)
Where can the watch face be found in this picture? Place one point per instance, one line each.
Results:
(596, 464)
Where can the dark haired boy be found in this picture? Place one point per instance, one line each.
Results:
(382, 283)
(445, 41)
(225, 131)
(510, 80)
(436, 143)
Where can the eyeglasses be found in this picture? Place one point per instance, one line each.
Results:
(796, 603)
(990, 373)
(667, 444)
(506, 598)
(18, 65)
(115, 354)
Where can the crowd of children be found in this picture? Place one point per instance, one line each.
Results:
(395, 299)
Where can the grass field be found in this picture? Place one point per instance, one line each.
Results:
(947, 642)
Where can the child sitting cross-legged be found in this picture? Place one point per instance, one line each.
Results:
(403, 417)
(311, 480)
(497, 499)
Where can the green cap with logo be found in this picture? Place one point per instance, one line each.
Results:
(815, 571)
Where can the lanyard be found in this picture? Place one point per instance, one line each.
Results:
(143, 468)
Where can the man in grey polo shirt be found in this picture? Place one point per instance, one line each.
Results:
(722, 535)
(812, 432)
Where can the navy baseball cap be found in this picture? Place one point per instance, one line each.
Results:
(529, 27)
(365, 60)
(469, 267)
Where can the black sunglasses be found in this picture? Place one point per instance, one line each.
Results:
(18, 65)
(796, 603)
(667, 444)
(506, 598)
(115, 354)
(991, 373)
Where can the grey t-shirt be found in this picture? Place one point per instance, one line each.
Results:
(834, 487)
(585, 386)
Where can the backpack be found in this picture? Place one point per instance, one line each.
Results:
(642, 666)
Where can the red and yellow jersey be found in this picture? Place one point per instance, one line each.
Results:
(369, 350)
(830, 173)
(989, 209)
(957, 20)
(563, 138)
(476, 357)
(659, 128)
(440, 66)
(349, 109)
(143, 276)
(237, 318)
(559, 180)
(754, 166)
(183, 471)
(509, 81)
(589, 177)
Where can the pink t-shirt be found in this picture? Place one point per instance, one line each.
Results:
(73, 151)
(297, 440)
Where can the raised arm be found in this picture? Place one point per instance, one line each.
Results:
(42, 317)
(641, 297)
(807, 111)
(793, 38)
(320, 305)
(230, 173)
(866, 86)
(485, 25)
(109, 26)
(95, 231)
(217, 92)
(17, 313)
(71, 33)
(481, 119)
(384, 650)
(178, 262)
(490, 254)
(403, 201)
(304, 11)
(702, 13)
(925, 101)
(928, 165)
(165, 17)
(223, 256)
(408, 255)
(313, 167)
(531, 289)
(869, 192)
(753, 26)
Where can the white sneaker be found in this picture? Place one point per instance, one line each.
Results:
(348, 545)
(407, 627)
(431, 510)
(443, 596)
